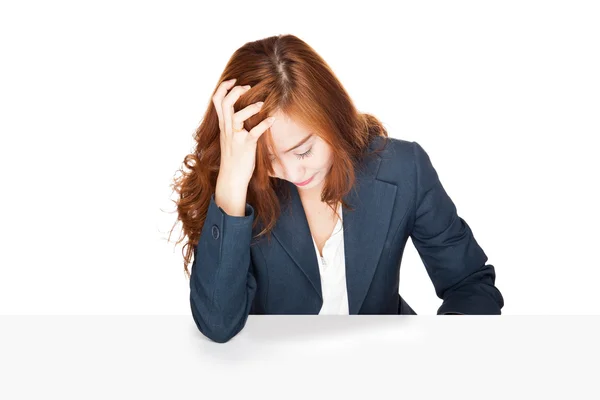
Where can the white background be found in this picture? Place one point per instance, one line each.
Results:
(99, 101)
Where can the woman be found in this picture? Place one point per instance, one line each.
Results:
(337, 194)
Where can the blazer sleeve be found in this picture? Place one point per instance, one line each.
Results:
(222, 285)
(452, 257)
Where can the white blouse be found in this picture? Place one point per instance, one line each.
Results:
(332, 267)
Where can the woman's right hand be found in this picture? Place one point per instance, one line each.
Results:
(238, 146)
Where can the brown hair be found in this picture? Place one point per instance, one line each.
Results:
(287, 75)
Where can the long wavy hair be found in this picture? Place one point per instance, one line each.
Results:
(287, 75)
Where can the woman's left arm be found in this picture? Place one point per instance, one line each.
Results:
(454, 261)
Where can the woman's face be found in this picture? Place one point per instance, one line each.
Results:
(312, 159)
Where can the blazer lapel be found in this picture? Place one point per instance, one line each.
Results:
(365, 231)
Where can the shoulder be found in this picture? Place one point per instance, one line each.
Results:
(394, 148)
(398, 158)
(406, 164)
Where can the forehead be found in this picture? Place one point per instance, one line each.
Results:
(287, 132)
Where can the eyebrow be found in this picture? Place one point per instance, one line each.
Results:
(299, 144)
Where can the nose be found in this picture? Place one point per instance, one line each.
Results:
(294, 171)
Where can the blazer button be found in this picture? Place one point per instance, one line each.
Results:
(215, 231)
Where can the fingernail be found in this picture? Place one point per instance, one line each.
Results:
(247, 87)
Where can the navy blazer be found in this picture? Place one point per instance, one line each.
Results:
(397, 195)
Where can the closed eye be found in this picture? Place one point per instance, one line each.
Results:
(300, 156)
(307, 154)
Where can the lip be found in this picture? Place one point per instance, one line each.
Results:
(306, 182)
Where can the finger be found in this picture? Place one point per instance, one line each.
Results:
(259, 129)
(227, 105)
(218, 98)
(245, 113)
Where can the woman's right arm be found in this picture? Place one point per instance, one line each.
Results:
(222, 286)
